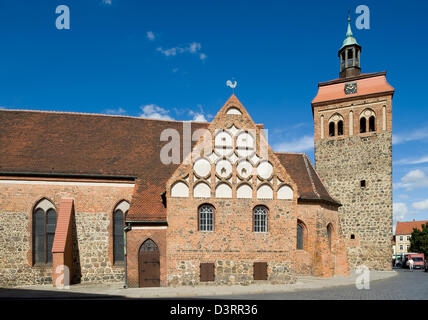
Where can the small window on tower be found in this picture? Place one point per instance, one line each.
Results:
(352, 236)
(331, 129)
(350, 54)
(340, 128)
(363, 125)
(363, 183)
(372, 125)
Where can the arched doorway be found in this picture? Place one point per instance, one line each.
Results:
(149, 264)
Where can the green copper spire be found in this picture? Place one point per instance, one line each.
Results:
(350, 40)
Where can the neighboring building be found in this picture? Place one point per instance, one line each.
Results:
(403, 233)
(112, 197)
(353, 155)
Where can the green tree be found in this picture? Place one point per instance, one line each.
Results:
(419, 240)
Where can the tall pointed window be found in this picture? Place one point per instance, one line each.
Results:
(301, 235)
(340, 128)
(260, 219)
(44, 225)
(119, 214)
(372, 125)
(363, 125)
(331, 129)
(329, 235)
(206, 217)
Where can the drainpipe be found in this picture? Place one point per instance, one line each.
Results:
(126, 229)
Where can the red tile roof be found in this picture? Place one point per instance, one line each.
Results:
(40, 142)
(367, 84)
(407, 227)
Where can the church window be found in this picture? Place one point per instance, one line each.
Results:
(363, 183)
(340, 128)
(329, 235)
(372, 126)
(363, 125)
(301, 235)
(44, 225)
(260, 219)
(352, 236)
(206, 217)
(119, 214)
(331, 129)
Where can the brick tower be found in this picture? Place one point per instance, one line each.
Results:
(353, 155)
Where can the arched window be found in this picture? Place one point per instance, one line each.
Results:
(363, 125)
(206, 217)
(44, 225)
(372, 125)
(340, 128)
(331, 129)
(329, 235)
(119, 214)
(260, 219)
(301, 235)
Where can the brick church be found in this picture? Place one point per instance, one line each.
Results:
(94, 198)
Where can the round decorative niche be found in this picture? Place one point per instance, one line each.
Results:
(202, 167)
(180, 190)
(223, 151)
(245, 141)
(285, 193)
(223, 190)
(223, 139)
(367, 113)
(265, 192)
(245, 153)
(244, 169)
(233, 110)
(201, 190)
(223, 168)
(244, 191)
(264, 170)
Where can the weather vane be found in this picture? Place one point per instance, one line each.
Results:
(232, 84)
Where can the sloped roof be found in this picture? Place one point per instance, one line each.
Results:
(309, 184)
(368, 84)
(41, 142)
(407, 227)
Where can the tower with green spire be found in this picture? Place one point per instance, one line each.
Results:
(349, 55)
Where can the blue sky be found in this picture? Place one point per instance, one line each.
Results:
(171, 59)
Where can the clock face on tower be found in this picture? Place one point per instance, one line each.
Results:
(350, 87)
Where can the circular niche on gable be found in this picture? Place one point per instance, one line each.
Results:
(245, 140)
(245, 169)
(223, 168)
(202, 167)
(264, 169)
(223, 139)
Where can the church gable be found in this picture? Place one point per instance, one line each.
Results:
(232, 159)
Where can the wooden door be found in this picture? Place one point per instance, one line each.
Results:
(149, 264)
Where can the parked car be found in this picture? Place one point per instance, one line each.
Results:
(418, 260)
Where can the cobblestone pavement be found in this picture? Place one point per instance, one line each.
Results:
(407, 285)
(400, 284)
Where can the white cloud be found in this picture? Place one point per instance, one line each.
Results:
(413, 179)
(193, 48)
(407, 161)
(421, 205)
(199, 116)
(416, 135)
(399, 210)
(153, 111)
(304, 143)
(403, 196)
(119, 110)
(151, 36)
(107, 2)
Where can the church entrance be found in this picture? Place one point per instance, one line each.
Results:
(149, 264)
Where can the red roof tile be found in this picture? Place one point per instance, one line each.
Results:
(407, 227)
